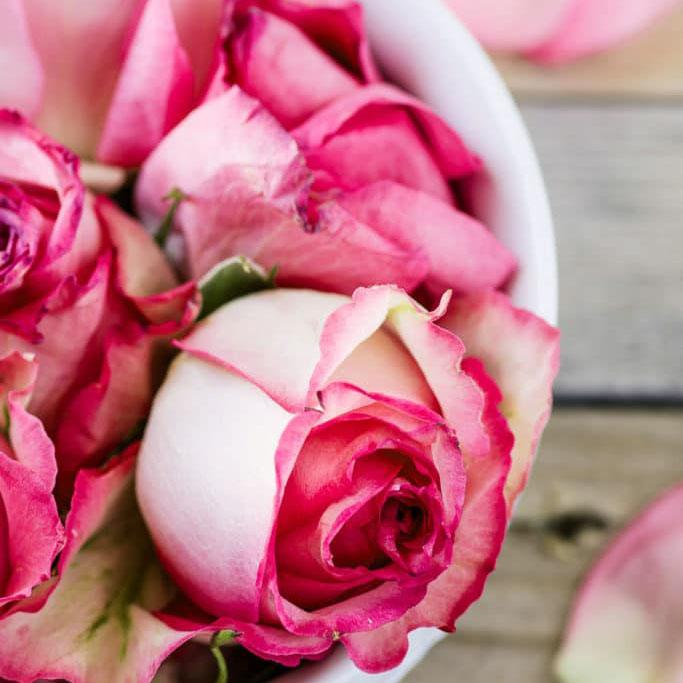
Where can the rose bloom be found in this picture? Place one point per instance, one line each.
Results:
(31, 534)
(556, 31)
(320, 469)
(108, 78)
(309, 163)
(87, 291)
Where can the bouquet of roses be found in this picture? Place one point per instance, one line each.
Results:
(267, 398)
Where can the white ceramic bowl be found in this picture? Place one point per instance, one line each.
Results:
(421, 46)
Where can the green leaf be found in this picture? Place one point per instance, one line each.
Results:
(230, 279)
(175, 196)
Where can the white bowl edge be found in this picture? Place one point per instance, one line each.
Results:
(422, 46)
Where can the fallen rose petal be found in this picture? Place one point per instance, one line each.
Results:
(273, 61)
(521, 353)
(109, 564)
(557, 31)
(625, 622)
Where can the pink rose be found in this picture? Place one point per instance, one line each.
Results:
(319, 469)
(108, 78)
(625, 624)
(557, 30)
(87, 291)
(358, 194)
(30, 531)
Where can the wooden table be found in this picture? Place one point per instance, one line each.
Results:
(609, 133)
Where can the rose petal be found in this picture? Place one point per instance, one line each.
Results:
(512, 25)
(109, 563)
(21, 74)
(478, 540)
(588, 26)
(81, 48)
(227, 338)
(138, 115)
(277, 64)
(336, 25)
(462, 253)
(380, 133)
(197, 562)
(625, 623)
(227, 153)
(199, 28)
(521, 354)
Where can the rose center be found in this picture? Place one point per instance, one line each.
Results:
(407, 518)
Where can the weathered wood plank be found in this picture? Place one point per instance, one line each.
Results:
(649, 66)
(607, 462)
(614, 178)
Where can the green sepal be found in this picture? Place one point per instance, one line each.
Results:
(231, 279)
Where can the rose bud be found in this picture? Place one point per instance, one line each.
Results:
(86, 290)
(30, 531)
(318, 469)
(625, 622)
(557, 31)
(108, 78)
(357, 195)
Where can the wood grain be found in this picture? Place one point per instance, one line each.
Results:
(647, 67)
(614, 178)
(596, 466)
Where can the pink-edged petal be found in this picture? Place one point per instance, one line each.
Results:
(33, 533)
(625, 622)
(234, 336)
(30, 530)
(109, 565)
(139, 115)
(73, 315)
(436, 352)
(380, 133)
(477, 543)
(26, 435)
(28, 156)
(276, 63)
(588, 26)
(81, 47)
(335, 25)
(512, 25)
(227, 155)
(230, 498)
(21, 74)
(521, 354)
(463, 254)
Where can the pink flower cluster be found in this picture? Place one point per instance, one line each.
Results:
(333, 460)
